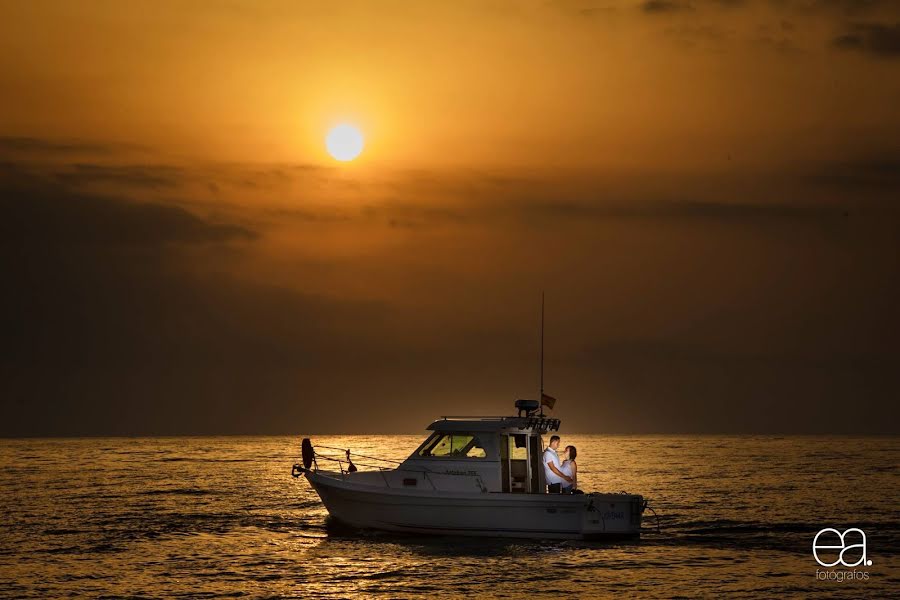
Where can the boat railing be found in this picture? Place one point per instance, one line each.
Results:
(351, 465)
(349, 459)
(471, 417)
(540, 422)
(347, 464)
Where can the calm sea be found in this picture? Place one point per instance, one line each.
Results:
(221, 517)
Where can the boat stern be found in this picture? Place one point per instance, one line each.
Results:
(612, 515)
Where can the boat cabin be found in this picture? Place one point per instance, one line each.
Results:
(503, 452)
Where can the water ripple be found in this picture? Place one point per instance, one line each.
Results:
(161, 517)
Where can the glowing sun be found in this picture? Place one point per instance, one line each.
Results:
(344, 142)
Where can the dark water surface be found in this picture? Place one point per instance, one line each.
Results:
(221, 517)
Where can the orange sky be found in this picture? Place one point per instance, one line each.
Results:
(705, 189)
(542, 83)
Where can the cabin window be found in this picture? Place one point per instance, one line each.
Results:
(454, 445)
(518, 447)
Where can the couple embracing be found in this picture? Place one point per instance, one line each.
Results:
(561, 474)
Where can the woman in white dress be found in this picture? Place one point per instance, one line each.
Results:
(570, 468)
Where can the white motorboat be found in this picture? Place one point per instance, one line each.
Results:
(476, 476)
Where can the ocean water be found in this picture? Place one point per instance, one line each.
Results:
(210, 517)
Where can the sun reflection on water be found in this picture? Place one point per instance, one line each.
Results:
(206, 516)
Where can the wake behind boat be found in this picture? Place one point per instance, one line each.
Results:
(477, 476)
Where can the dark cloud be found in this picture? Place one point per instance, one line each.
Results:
(524, 208)
(674, 6)
(877, 36)
(881, 173)
(142, 176)
(724, 212)
(128, 168)
(774, 389)
(34, 146)
(849, 7)
(664, 6)
(583, 8)
(781, 44)
(698, 35)
(38, 211)
(873, 39)
(125, 317)
(792, 197)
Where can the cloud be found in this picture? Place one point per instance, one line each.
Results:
(756, 383)
(126, 317)
(580, 8)
(706, 36)
(128, 168)
(40, 211)
(523, 207)
(143, 176)
(34, 146)
(874, 39)
(789, 27)
(131, 317)
(813, 195)
(847, 7)
(724, 212)
(879, 173)
(664, 6)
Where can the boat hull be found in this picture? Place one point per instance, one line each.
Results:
(491, 514)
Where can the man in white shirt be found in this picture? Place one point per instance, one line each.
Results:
(554, 476)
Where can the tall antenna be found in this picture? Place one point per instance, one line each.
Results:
(541, 397)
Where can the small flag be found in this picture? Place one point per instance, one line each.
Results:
(548, 401)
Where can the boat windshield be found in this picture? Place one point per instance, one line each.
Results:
(455, 445)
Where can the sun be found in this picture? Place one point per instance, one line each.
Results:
(344, 142)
